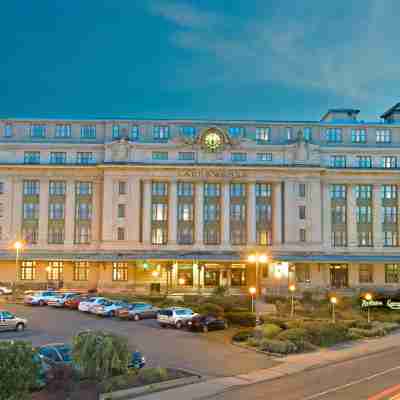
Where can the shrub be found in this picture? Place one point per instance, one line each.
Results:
(18, 371)
(242, 336)
(360, 333)
(100, 355)
(281, 322)
(152, 375)
(307, 296)
(220, 291)
(326, 333)
(241, 318)
(298, 336)
(361, 324)
(210, 309)
(267, 331)
(278, 346)
(387, 326)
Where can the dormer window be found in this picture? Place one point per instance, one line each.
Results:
(307, 132)
(88, 132)
(134, 135)
(358, 136)
(289, 133)
(115, 132)
(236, 131)
(188, 131)
(161, 133)
(8, 130)
(334, 135)
(38, 131)
(263, 135)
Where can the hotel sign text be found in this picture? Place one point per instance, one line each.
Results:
(211, 173)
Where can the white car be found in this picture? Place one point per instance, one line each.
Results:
(40, 298)
(108, 308)
(86, 306)
(175, 316)
(5, 290)
(60, 299)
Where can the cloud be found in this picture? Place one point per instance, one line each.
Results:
(349, 50)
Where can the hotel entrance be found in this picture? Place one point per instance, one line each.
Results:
(339, 276)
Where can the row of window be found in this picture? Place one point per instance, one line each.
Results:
(341, 161)
(362, 192)
(191, 156)
(58, 157)
(56, 188)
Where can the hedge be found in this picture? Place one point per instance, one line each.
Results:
(326, 334)
(299, 336)
(241, 318)
(267, 331)
(242, 336)
(278, 346)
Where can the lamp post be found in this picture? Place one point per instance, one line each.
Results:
(18, 247)
(333, 301)
(292, 289)
(252, 292)
(257, 259)
(368, 297)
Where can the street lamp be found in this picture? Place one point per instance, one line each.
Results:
(18, 247)
(292, 289)
(333, 301)
(252, 292)
(368, 297)
(257, 259)
(181, 281)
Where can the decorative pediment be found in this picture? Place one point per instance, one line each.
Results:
(213, 140)
(301, 152)
(119, 150)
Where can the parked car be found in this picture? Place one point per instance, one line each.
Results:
(206, 323)
(60, 299)
(137, 311)
(107, 308)
(9, 322)
(85, 306)
(56, 354)
(174, 316)
(5, 290)
(39, 298)
(73, 302)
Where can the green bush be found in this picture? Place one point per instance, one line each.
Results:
(152, 375)
(361, 324)
(267, 331)
(278, 346)
(241, 318)
(298, 336)
(386, 326)
(210, 309)
(101, 355)
(18, 371)
(242, 336)
(307, 296)
(360, 333)
(326, 333)
(268, 319)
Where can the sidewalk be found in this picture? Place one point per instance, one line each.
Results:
(290, 365)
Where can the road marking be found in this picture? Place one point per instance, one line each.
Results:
(385, 393)
(347, 385)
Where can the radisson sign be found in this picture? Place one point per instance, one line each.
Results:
(211, 173)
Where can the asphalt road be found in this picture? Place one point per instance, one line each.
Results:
(373, 377)
(206, 354)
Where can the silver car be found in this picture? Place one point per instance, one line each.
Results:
(9, 322)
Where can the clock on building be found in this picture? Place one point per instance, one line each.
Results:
(213, 141)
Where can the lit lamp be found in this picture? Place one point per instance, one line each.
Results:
(292, 289)
(368, 297)
(181, 281)
(18, 247)
(257, 259)
(252, 291)
(333, 301)
(155, 274)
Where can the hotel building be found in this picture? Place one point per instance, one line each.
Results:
(179, 205)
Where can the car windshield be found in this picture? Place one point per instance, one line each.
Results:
(167, 313)
(65, 352)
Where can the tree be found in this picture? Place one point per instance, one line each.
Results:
(100, 355)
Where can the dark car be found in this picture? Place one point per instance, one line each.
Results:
(73, 303)
(205, 323)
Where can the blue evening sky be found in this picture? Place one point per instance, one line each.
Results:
(234, 59)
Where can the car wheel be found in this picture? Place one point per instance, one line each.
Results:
(112, 313)
(20, 327)
(205, 328)
(179, 325)
(163, 326)
(41, 303)
(136, 317)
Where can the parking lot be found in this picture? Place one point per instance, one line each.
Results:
(207, 354)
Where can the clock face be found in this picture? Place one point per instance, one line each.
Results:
(213, 141)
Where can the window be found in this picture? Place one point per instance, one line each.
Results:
(121, 210)
(389, 162)
(238, 212)
(120, 271)
(264, 237)
(28, 271)
(392, 273)
(383, 136)
(121, 187)
(263, 213)
(115, 132)
(236, 131)
(307, 132)
(239, 157)
(289, 133)
(364, 215)
(38, 131)
(159, 212)
(338, 192)
(31, 188)
(185, 212)
(263, 135)
(58, 158)
(358, 136)
(56, 211)
(159, 155)
(8, 130)
(85, 158)
(186, 155)
(338, 162)
(185, 189)
(211, 212)
(83, 234)
(238, 190)
(364, 239)
(161, 133)
(303, 273)
(57, 188)
(63, 131)
(134, 134)
(159, 235)
(32, 157)
(56, 235)
(188, 131)
(1, 187)
(264, 157)
(334, 135)
(302, 235)
(363, 192)
(212, 189)
(31, 211)
(84, 188)
(389, 215)
(120, 234)
(302, 212)
(81, 271)
(364, 162)
(339, 239)
(55, 271)
(1, 210)
(84, 211)
(30, 234)
(159, 189)
(263, 190)
(390, 239)
(302, 190)
(339, 214)
(88, 132)
(365, 273)
(389, 191)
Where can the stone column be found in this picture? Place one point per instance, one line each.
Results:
(172, 213)
(225, 213)
(377, 235)
(69, 212)
(43, 212)
(199, 213)
(108, 204)
(290, 210)
(351, 217)
(146, 216)
(133, 209)
(326, 216)
(277, 214)
(96, 214)
(314, 202)
(17, 209)
(251, 214)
